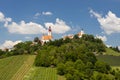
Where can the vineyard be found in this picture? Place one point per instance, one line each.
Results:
(13, 66)
(42, 73)
(21, 68)
(111, 60)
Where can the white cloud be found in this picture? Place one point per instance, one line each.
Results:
(25, 28)
(108, 46)
(1, 17)
(58, 27)
(103, 38)
(33, 28)
(37, 14)
(4, 19)
(9, 44)
(119, 47)
(43, 13)
(110, 23)
(47, 13)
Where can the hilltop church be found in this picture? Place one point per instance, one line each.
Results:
(48, 37)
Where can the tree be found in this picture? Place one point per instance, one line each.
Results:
(79, 65)
(2, 53)
(76, 36)
(36, 39)
(102, 67)
(61, 69)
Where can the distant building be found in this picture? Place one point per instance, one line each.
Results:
(68, 36)
(80, 34)
(48, 37)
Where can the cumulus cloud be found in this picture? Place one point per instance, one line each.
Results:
(103, 38)
(58, 27)
(110, 23)
(33, 28)
(9, 44)
(47, 13)
(25, 28)
(4, 19)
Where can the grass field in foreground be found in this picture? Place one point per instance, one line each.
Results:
(42, 73)
(19, 75)
(11, 66)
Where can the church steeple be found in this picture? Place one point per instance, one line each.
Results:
(50, 31)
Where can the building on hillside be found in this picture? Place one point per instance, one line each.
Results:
(80, 34)
(68, 36)
(48, 37)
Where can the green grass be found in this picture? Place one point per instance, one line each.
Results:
(24, 68)
(42, 73)
(21, 68)
(116, 67)
(15, 67)
(10, 65)
(111, 60)
(111, 52)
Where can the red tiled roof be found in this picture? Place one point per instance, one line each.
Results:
(46, 37)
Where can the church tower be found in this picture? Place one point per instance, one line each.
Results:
(49, 31)
(82, 32)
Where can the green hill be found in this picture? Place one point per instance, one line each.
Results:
(111, 52)
(15, 67)
(72, 59)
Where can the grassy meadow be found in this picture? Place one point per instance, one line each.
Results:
(111, 52)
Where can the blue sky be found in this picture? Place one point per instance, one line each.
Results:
(25, 19)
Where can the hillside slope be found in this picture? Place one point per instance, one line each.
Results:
(111, 60)
(111, 52)
(13, 66)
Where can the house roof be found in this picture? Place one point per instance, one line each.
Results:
(46, 37)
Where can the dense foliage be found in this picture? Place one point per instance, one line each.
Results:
(75, 58)
(27, 47)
